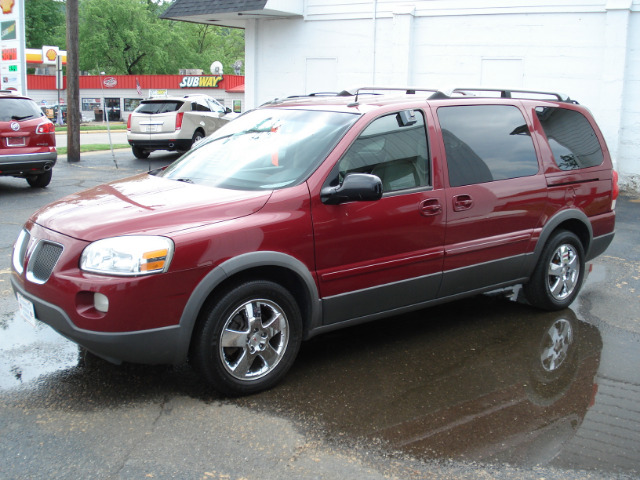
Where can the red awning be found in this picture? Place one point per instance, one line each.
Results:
(236, 89)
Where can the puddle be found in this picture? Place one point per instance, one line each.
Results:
(27, 352)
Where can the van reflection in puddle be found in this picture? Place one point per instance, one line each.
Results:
(483, 380)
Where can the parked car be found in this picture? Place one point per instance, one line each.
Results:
(173, 123)
(311, 214)
(51, 111)
(27, 140)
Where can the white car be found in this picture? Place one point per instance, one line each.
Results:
(174, 123)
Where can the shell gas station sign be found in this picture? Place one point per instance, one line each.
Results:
(13, 71)
(45, 56)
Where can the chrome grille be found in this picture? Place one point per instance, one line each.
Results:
(43, 260)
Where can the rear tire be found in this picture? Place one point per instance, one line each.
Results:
(557, 278)
(140, 153)
(248, 338)
(197, 136)
(40, 181)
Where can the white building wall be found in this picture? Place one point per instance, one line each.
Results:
(588, 49)
(629, 148)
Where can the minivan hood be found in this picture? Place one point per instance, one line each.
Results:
(145, 204)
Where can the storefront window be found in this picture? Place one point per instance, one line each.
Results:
(89, 104)
(130, 104)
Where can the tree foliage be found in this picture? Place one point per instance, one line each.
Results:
(128, 37)
(44, 23)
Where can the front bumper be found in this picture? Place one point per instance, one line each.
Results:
(153, 347)
(142, 323)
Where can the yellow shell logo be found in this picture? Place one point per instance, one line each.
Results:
(7, 5)
(51, 54)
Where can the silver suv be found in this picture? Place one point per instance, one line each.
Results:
(174, 123)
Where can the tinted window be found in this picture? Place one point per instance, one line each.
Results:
(158, 107)
(573, 142)
(484, 143)
(200, 107)
(394, 152)
(18, 109)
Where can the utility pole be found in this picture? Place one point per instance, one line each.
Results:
(73, 84)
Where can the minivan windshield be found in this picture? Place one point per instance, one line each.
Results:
(263, 149)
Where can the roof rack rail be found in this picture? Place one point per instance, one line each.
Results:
(372, 90)
(504, 93)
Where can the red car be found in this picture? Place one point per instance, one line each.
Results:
(311, 214)
(27, 140)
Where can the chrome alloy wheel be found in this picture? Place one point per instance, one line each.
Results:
(254, 339)
(555, 345)
(563, 272)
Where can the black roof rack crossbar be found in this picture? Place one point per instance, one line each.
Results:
(407, 90)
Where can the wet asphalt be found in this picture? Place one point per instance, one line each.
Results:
(454, 391)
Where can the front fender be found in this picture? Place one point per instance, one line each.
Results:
(233, 267)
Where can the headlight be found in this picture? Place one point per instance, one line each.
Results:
(128, 255)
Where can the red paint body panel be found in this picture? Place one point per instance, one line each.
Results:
(145, 203)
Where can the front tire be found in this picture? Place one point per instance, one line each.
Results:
(557, 278)
(248, 338)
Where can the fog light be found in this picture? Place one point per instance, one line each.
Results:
(101, 302)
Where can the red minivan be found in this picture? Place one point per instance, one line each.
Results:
(27, 140)
(314, 213)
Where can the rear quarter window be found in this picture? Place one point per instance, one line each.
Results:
(158, 107)
(573, 141)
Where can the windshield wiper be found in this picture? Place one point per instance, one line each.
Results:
(15, 117)
(185, 180)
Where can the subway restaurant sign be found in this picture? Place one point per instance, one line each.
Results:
(209, 81)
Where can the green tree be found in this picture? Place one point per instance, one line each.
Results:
(210, 43)
(128, 37)
(45, 23)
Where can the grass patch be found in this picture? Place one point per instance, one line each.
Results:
(94, 128)
(96, 147)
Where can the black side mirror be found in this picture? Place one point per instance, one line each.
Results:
(227, 110)
(356, 187)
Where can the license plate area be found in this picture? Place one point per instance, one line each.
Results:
(151, 127)
(26, 309)
(16, 141)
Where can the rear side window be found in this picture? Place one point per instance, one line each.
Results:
(199, 107)
(18, 109)
(158, 107)
(573, 142)
(484, 143)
